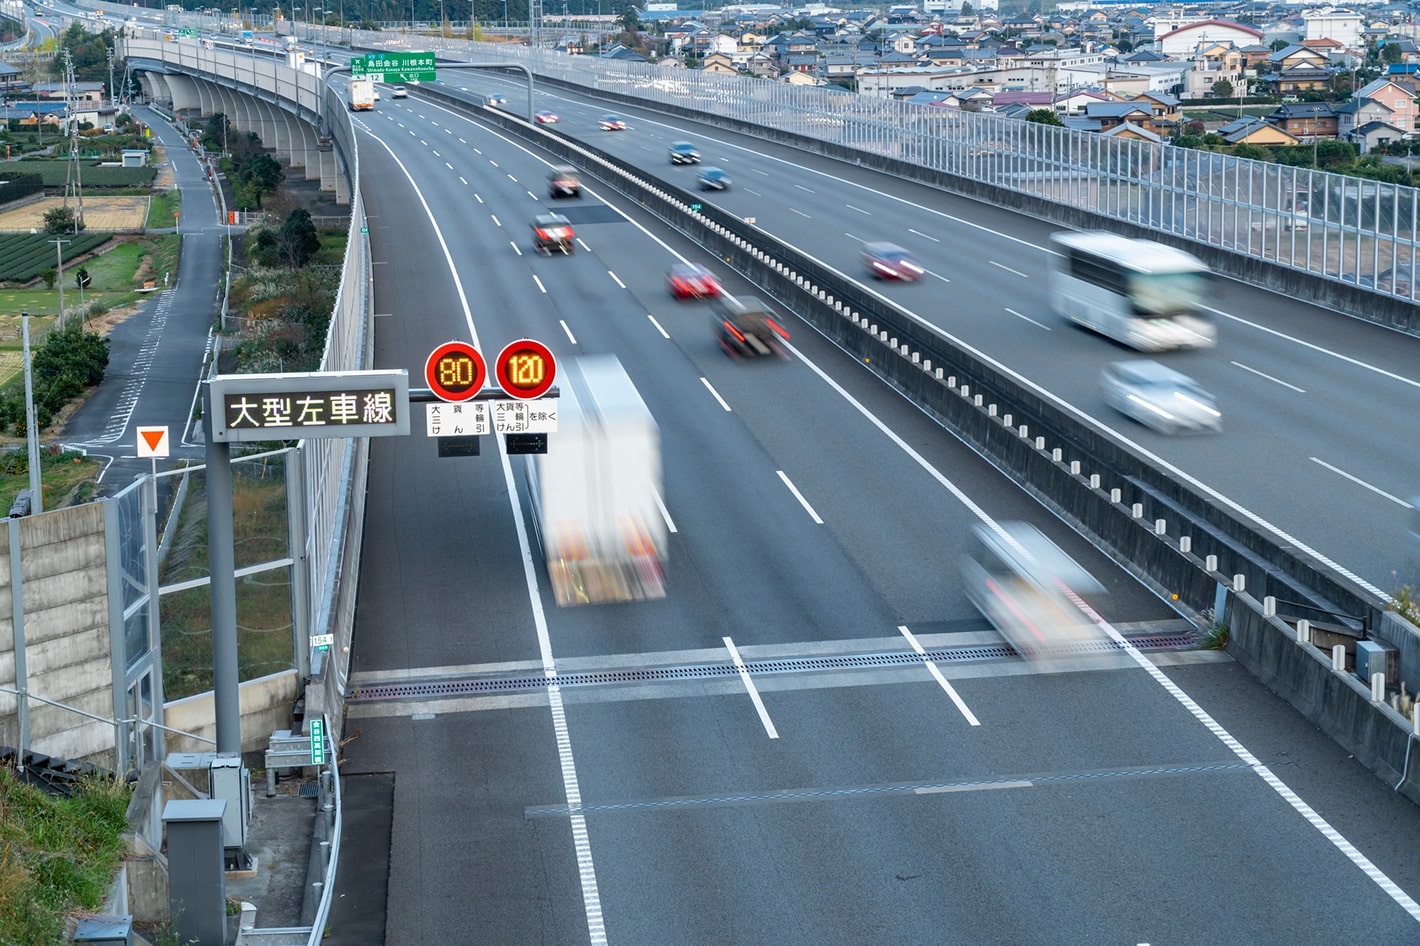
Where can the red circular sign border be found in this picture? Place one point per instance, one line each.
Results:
(524, 344)
(449, 348)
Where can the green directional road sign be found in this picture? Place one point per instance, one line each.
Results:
(317, 742)
(188, 33)
(393, 67)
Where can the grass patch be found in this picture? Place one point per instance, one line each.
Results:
(66, 478)
(263, 599)
(332, 247)
(161, 209)
(1215, 635)
(57, 855)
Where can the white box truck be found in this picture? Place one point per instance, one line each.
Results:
(361, 95)
(596, 493)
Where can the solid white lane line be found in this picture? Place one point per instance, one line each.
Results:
(570, 337)
(799, 496)
(586, 867)
(753, 693)
(859, 209)
(539, 283)
(923, 235)
(1360, 482)
(1324, 828)
(1269, 377)
(665, 513)
(618, 281)
(1008, 269)
(515, 248)
(1030, 320)
(711, 388)
(657, 325)
(937, 674)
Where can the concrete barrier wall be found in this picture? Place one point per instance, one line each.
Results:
(265, 704)
(68, 648)
(1336, 701)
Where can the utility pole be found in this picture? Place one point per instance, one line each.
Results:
(59, 265)
(31, 426)
(111, 101)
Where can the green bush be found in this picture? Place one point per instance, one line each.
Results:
(69, 361)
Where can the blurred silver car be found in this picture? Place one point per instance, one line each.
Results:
(1159, 397)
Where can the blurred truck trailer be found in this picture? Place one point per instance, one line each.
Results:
(596, 493)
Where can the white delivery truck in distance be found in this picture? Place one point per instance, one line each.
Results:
(596, 493)
(361, 95)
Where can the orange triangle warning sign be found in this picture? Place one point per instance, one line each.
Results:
(152, 442)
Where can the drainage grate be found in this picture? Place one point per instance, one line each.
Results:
(475, 686)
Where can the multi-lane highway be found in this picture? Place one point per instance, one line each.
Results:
(1319, 410)
(1151, 797)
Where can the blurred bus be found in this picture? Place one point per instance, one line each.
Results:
(1018, 579)
(1138, 292)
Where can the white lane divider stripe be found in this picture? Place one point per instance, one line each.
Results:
(753, 692)
(799, 496)
(937, 674)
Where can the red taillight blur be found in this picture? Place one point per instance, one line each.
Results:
(777, 330)
(542, 234)
(733, 331)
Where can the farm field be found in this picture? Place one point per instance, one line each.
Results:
(100, 213)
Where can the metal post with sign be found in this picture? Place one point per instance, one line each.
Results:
(460, 409)
(263, 407)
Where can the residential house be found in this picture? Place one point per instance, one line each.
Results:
(1397, 94)
(1373, 134)
(1165, 110)
(1211, 63)
(750, 42)
(1252, 130)
(720, 63)
(1306, 120)
(1295, 69)
(92, 92)
(803, 78)
(1108, 115)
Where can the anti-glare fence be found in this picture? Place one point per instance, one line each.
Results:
(1356, 231)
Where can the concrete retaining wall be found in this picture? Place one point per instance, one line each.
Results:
(68, 655)
(266, 707)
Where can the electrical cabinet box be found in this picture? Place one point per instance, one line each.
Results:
(231, 782)
(1373, 657)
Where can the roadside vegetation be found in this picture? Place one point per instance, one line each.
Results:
(57, 855)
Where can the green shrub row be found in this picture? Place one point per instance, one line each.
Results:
(21, 185)
(23, 256)
(68, 362)
(56, 174)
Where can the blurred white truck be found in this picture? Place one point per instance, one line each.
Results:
(361, 95)
(596, 493)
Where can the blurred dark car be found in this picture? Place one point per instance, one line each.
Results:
(564, 182)
(1159, 397)
(683, 152)
(552, 232)
(890, 261)
(692, 281)
(745, 328)
(713, 179)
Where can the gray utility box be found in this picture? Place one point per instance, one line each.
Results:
(1373, 657)
(231, 782)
